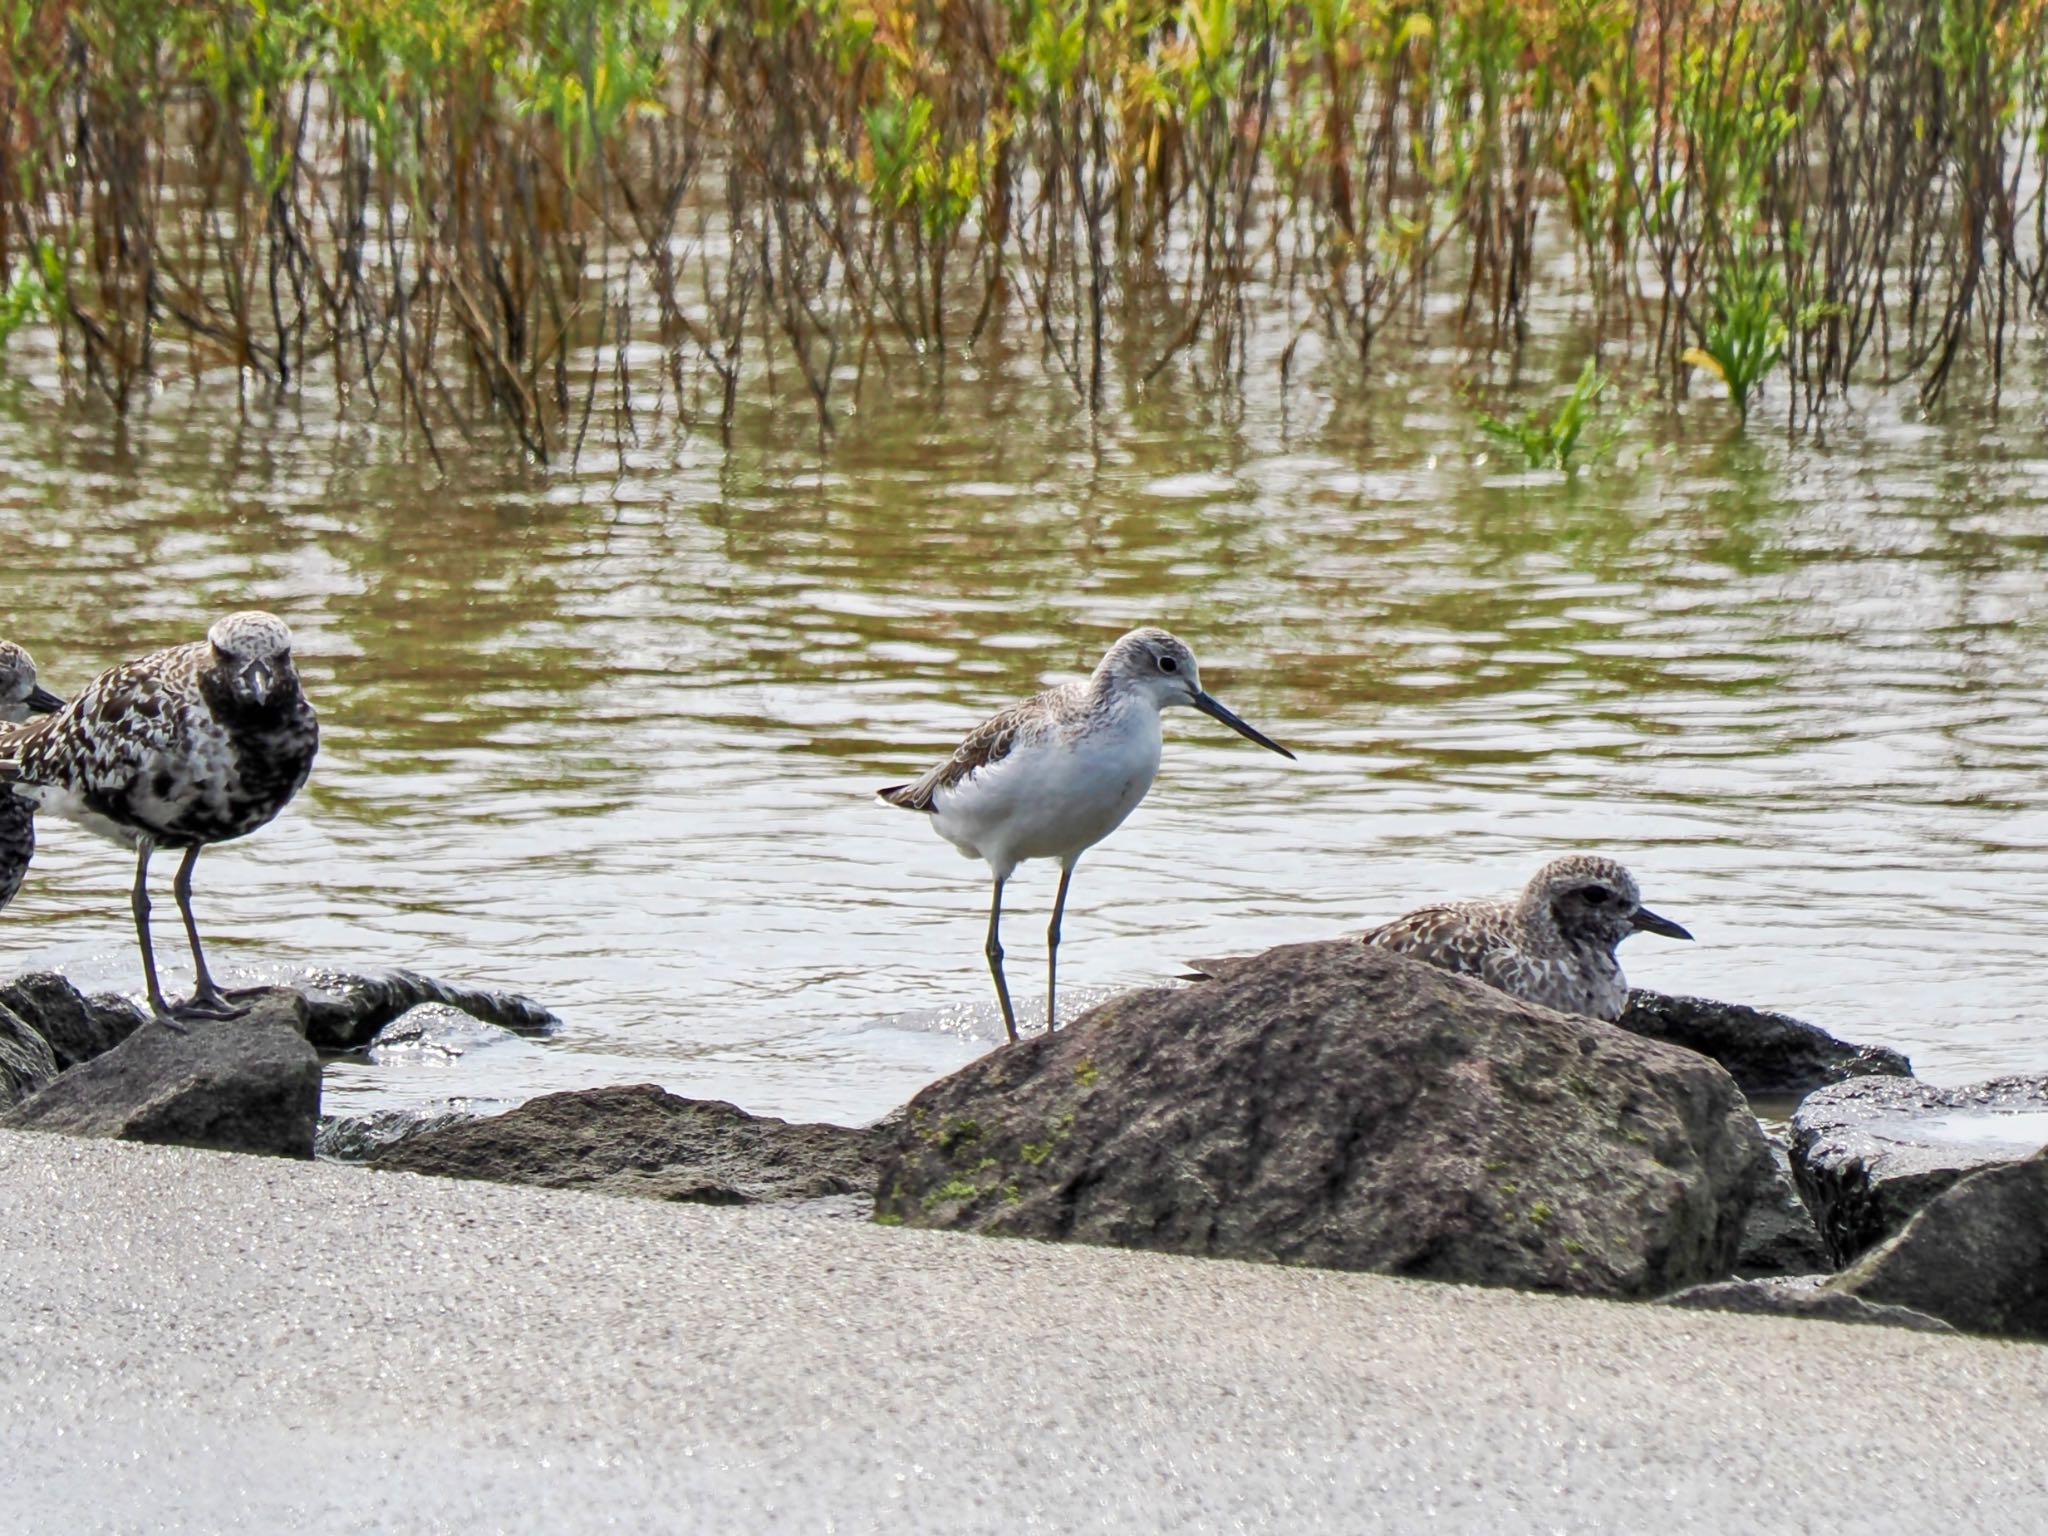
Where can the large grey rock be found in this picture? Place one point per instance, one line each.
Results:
(250, 1084)
(640, 1140)
(1976, 1255)
(1780, 1237)
(26, 1062)
(1765, 1052)
(1808, 1296)
(77, 1027)
(1870, 1153)
(1339, 1105)
(344, 1012)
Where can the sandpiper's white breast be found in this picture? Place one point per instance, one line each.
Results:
(1069, 781)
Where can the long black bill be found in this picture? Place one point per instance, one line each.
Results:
(1215, 711)
(1650, 922)
(44, 702)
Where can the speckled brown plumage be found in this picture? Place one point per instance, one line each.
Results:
(181, 749)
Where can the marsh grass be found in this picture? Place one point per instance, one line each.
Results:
(538, 217)
(1551, 439)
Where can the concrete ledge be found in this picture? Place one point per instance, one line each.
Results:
(210, 1342)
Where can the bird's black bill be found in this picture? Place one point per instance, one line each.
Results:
(44, 702)
(1215, 711)
(1650, 922)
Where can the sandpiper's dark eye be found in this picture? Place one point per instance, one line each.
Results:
(1168, 664)
(1596, 895)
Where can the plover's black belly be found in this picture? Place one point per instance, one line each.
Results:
(233, 793)
(178, 779)
(17, 842)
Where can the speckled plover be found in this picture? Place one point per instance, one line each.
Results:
(1053, 776)
(21, 696)
(1553, 944)
(183, 748)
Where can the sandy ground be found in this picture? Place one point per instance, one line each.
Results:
(200, 1342)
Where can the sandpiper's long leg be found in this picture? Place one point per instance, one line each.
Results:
(995, 957)
(1052, 943)
(207, 1001)
(138, 903)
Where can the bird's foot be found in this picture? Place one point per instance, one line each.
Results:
(169, 1021)
(209, 1005)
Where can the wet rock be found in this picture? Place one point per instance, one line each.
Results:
(432, 1032)
(345, 1012)
(642, 1141)
(77, 1027)
(1869, 1154)
(26, 1063)
(1766, 1053)
(1801, 1296)
(1976, 1255)
(1338, 1105)
(250, 1084)
(1780, 1237)
(358, 1138)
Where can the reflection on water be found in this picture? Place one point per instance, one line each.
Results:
(609, 736)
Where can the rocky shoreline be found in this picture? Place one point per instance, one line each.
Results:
(1324, 1105)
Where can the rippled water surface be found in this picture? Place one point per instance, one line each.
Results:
(609, 736)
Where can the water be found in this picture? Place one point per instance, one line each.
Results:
(2014, 1132)
(609, 736)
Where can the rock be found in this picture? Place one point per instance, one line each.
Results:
(432, 1032)
(1780, 1237)
(640, 1140)
(26, 1062)
(345, 1012)
(358, 1138)
(1338, 1105)
(1975, 1256)
(250, 1084)
(1766, 1053)
(1870, 1153)
(1801, 1296)
(78, 1027)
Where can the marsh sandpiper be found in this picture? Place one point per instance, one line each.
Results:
(1053, 776)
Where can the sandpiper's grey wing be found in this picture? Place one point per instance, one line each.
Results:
(989, 743)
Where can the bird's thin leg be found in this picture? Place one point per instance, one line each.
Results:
(995, 957)
(138, 903)
(207, 1000)
(1052, 943)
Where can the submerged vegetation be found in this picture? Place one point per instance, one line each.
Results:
(526, 214)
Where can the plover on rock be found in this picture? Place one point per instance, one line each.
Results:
(1052, 777)
(181, 749)
(1553, 944)
(20, 697)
